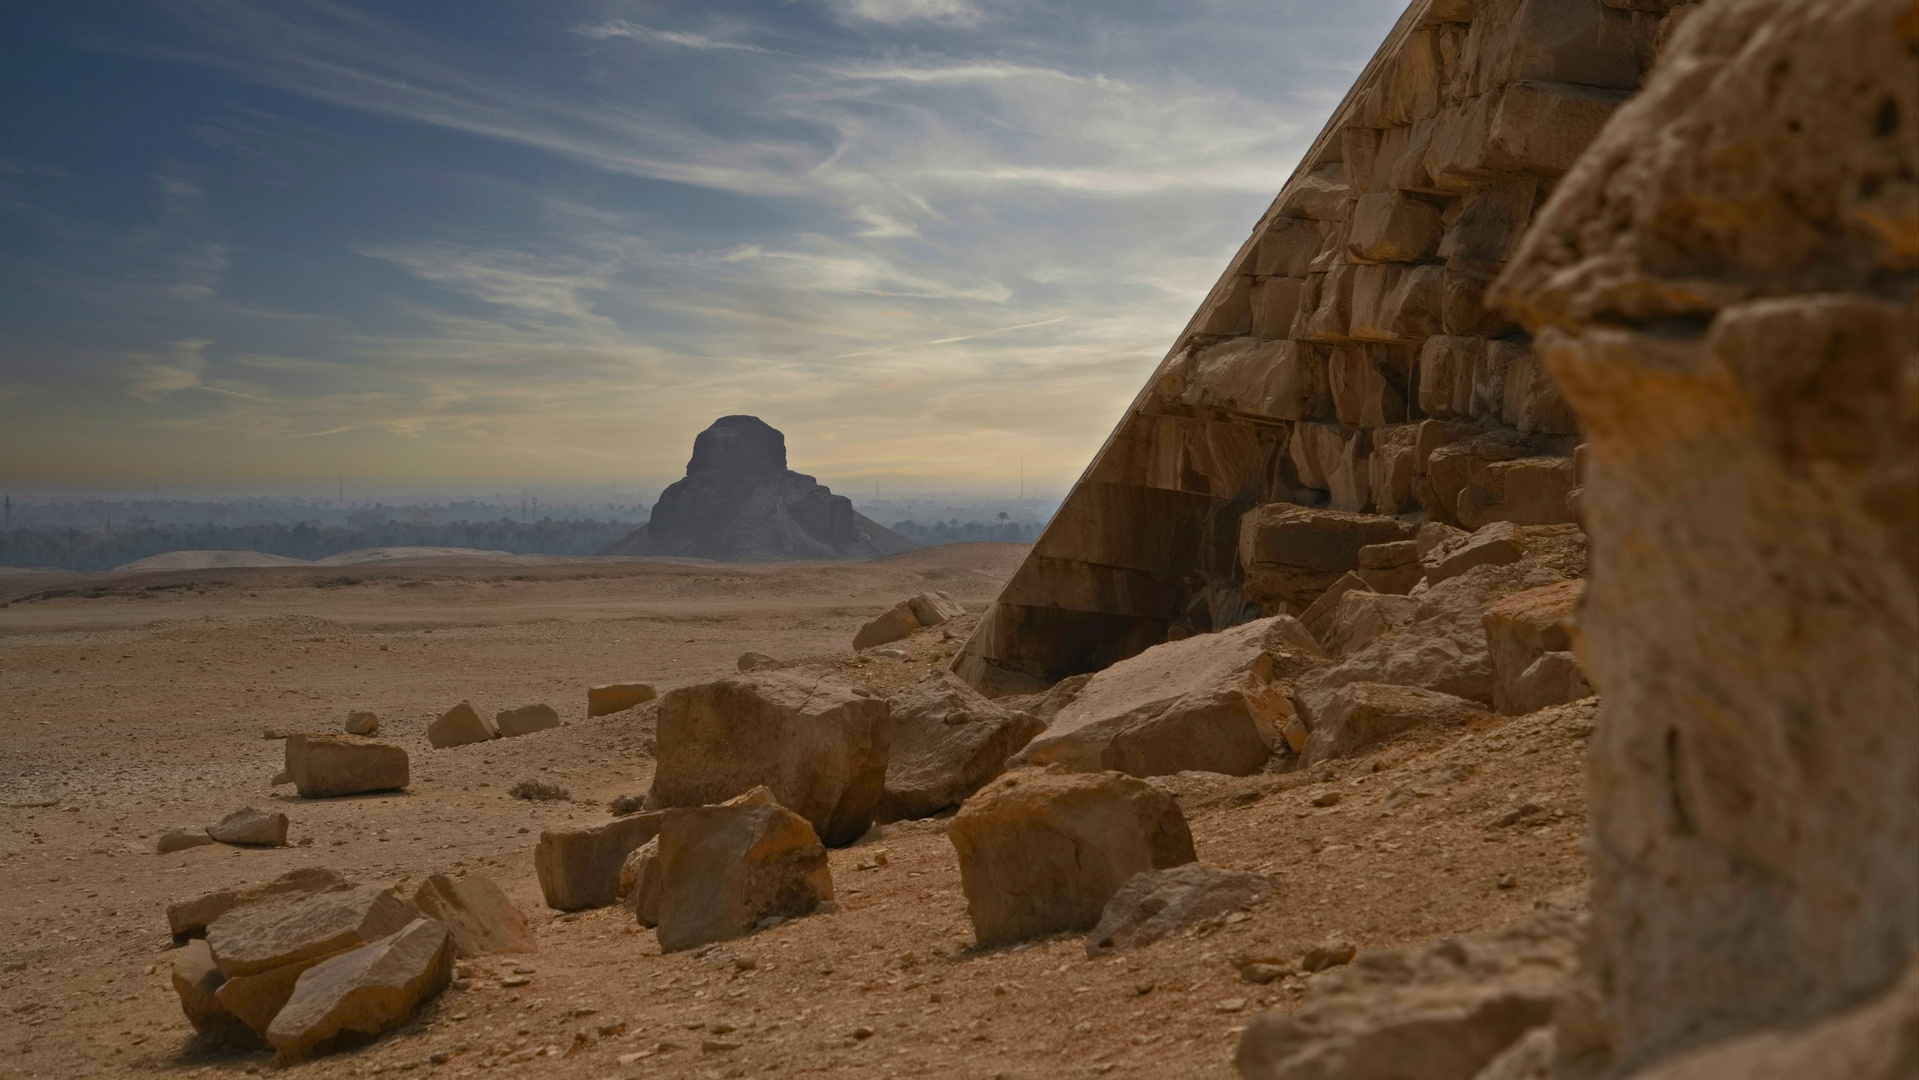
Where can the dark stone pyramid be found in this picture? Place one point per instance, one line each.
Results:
(739, 502)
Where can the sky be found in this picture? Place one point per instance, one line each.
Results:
(254, 246)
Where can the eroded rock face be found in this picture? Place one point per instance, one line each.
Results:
(1722, 290)
(819, 745)
(740, 501)
(329, 766)
(1214, 703)
(1043, 850)
(1442, 1013)
(723, 869)
(948, 740)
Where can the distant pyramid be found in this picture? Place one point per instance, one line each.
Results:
(740, 502)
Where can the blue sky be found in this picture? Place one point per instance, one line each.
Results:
(254, 245)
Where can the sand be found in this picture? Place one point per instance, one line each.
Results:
(136, 702)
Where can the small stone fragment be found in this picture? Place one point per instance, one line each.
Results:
(361, 722)
(1154, 904)
(1328, 954)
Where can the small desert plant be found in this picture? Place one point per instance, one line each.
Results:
(623, 805)
(538, 790)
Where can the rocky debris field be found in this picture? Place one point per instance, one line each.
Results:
(128, 717)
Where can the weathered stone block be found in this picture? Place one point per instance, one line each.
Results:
(365, 992)
(725, 868)
(1291, 554)
(1490, 221)
(1359, 716)
(1445, 375)
(1395, 302)
(1275, 306)
(459, 726)
(580, 868)
(1320, 194)
(1369, 383)
(477, 913)
(1394, 227)
(1043, 850)
(525, 720)
(288, 929)
(1287, 248)
(617, 697)
(327, 766)
(948, 741)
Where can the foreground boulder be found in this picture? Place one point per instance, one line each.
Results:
(248, 827)
(1157, 903)
(1043, 850)
(329, 766)
(724, 869)
(1291, 554)
(1753, 622)
(525, 720)
(459, 726)
(948, 740)
(288, 929)
(1214, 702)
(189, 918)
(364, 992)
(580, 868)
(477, 913)
(818, 744)
(1443, 1013)
(617, 697)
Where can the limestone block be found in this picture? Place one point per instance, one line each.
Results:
(948, 741)
(1361, 715)
(1497, 544)
(1395, 302)
(1490, 221)
(725, 868)
(1349, 474)
(1291, 554)
(1392, 466)
(1407, 88)
(617, 697)
(820, 745)
(1211, 702)
(249, 827)
(1229, 310)
(895, 624)
(1393, 226)
(1043, 850)
(1368, 383)
(1401, 164)
(1451, 467)
(1531, 400)
(525, 720)
(197, 981)
(640, 883)
(1318, 614)
(290, 928)
(1522, 627)
(1462, 300)
(1331, 316)
(256, 999)
(1314, 450)
(1526, 491)
(327, 766)
(1362, 617)
(580, 868)
(1495, 362)
(1287, 247)
(477, 913)
(934, 608)
(1358, 149)
(1442, 1013)
(189, 918)
(364, 992)
(1276, 305)
(1564, 41)
(1445, 375)
(1155, 904)
(459, 726)
(361, 722)
(1320, 194)
(1391, 568)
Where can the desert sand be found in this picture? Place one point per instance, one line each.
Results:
(137, 702)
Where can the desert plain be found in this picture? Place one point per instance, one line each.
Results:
(138, 701)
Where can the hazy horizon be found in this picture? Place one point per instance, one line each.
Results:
(258, 248)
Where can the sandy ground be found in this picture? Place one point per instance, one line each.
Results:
(134, 702)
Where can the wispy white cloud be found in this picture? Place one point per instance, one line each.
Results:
(621, 28)
(958, 12)
(154, 377)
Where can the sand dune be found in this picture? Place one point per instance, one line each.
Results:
(208, 560)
